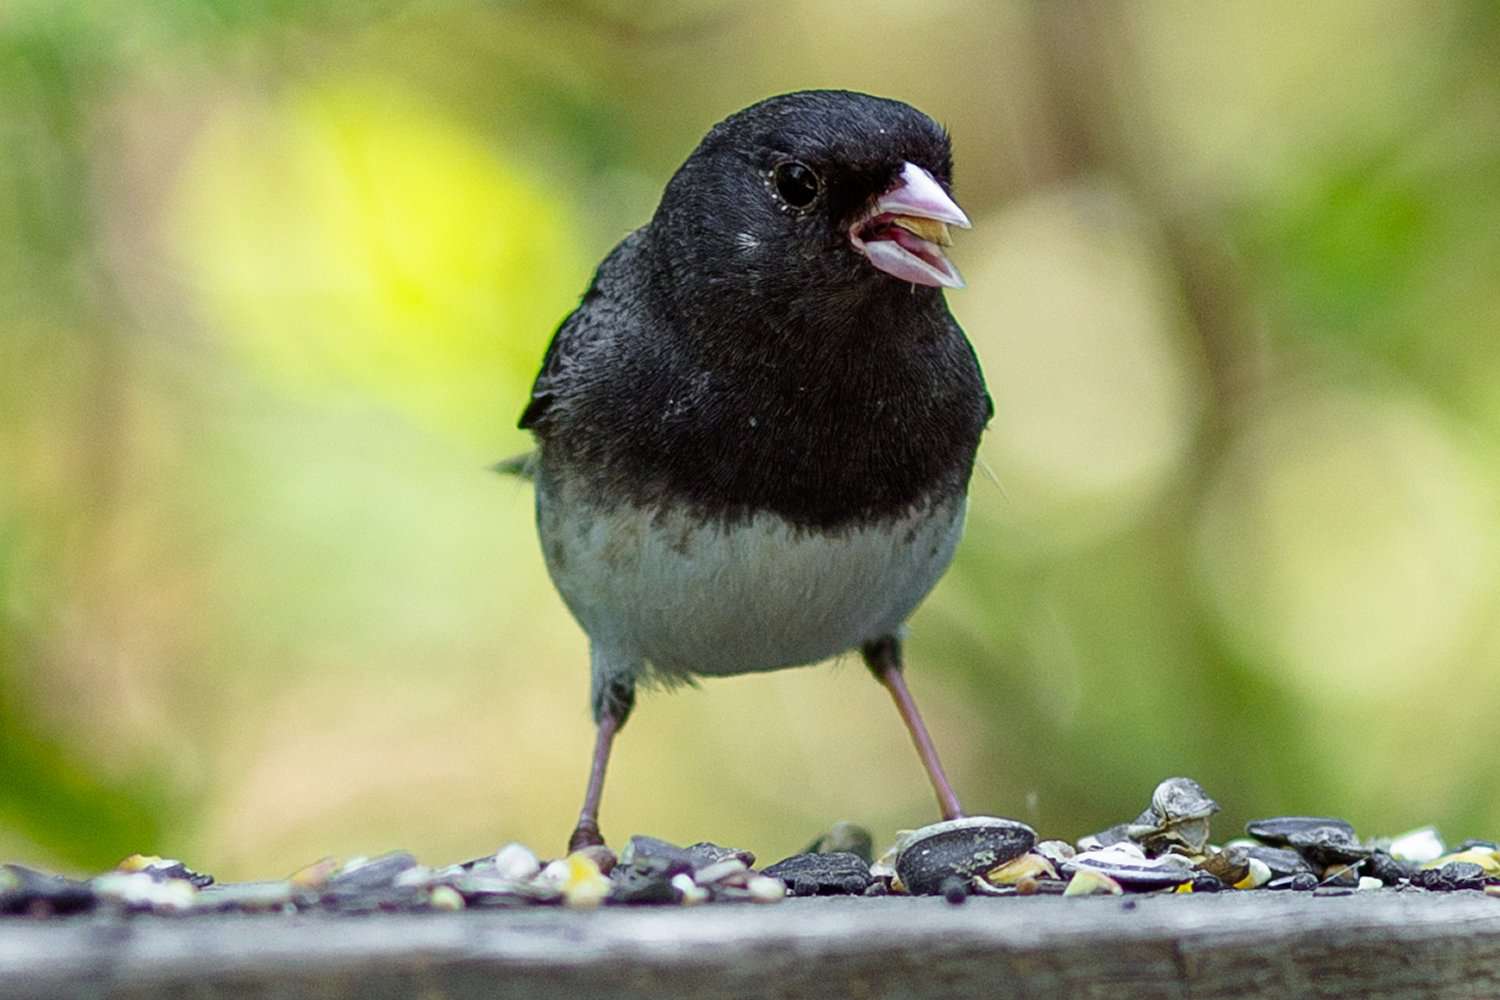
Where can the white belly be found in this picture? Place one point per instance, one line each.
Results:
(691, 598)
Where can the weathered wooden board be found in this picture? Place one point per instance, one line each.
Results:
(1383, 944)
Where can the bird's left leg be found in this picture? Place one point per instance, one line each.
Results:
(883, 657)
(613, 698)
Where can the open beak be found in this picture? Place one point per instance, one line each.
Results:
(905, 232)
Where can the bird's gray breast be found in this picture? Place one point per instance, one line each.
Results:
(695, 596)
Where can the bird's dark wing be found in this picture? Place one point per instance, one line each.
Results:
(604, 306)
(564, 346)
(989, 401)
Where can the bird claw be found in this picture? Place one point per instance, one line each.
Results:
(585, 834)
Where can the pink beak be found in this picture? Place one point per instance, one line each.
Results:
(904, 234)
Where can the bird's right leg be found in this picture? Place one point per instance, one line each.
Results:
(613, 698)
(883, 657)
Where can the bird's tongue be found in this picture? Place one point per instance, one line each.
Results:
(907, 256)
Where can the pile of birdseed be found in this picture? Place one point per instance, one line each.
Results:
(1165, 849)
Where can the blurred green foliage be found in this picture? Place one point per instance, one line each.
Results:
(276, 276)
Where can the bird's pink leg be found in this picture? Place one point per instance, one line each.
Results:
(883, 657)
(586, 833)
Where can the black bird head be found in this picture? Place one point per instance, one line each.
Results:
(817, 199)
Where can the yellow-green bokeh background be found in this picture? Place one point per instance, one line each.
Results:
(274, 277)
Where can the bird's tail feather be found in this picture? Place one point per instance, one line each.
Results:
(523, 465)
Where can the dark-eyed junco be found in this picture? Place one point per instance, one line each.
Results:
(757, 429)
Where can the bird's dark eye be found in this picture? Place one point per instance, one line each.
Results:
(796, 183)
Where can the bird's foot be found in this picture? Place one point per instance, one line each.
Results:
(585, 834)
